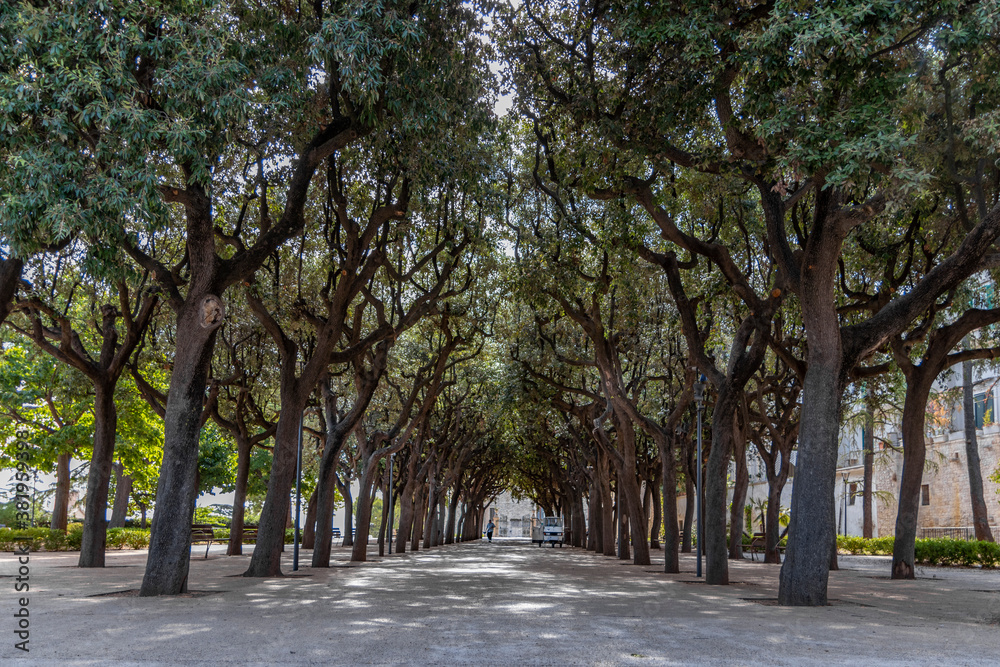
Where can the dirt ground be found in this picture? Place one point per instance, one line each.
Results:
(505, 603)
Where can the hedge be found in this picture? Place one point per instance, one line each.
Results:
(39, 539)
(937, 551)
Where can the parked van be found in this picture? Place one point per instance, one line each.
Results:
(548, 530)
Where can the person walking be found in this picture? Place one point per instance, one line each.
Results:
(489, 530)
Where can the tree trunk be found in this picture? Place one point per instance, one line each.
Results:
(309, 529)
(918, 387)
(95, 526)
(654, 530)
(689, 502)
(326, 483)
(624, 553)
(359, 551)
(419, 508)
(869, 462)
(123, 489)
(349, 527)
(737, 512)
(449, 531)
(714, 510)
(980, 517)
(266, 558)
(671, 536)
(383, 520)
(432, 501)
(392, 519)
(60, 508)
(442, 516)
(243, 449)
(177, 489)
(405, 518)
(772, 518)
(607, 508)
(812, 532)
(594, 535)
(580, 536)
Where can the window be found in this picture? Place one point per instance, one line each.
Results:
(851, 493)
(984, 408)
(925, 495)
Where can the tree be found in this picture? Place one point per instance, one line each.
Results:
(773, 95)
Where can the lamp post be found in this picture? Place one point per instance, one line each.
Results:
(844, 475)
(699, 399)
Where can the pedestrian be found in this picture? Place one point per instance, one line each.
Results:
(489, 530)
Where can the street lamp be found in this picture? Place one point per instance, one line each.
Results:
(844, 475)
(699, 399)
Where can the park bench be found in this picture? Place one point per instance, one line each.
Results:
(759, 543)
(203, 532)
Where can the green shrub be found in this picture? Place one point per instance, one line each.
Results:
(38, 539)
(116, 538)
(138, 539)
(74, 537)
(55, 541)
(937, 551)
(876, 546)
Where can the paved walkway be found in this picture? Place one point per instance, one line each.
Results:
(505, 603)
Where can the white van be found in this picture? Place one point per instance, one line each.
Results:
(548, 530)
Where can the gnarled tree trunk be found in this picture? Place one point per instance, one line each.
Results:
(95, 526)
(60, 507)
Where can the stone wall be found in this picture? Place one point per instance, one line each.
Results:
(947, 478)
(512, 517)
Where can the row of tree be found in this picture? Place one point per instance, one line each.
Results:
(788, 199)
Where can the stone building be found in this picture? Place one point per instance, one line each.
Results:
(512, 517)
(946, 505)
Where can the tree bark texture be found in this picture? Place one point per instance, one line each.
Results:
(266, 558)
(177, 489)
(123, 489)
(60, 507)
(243, 448)
(95, 526)
(742, 483)
(867, 508)
(980, 516)
(812, 531)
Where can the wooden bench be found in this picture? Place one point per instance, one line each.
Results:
(203, 532)
(759, 543)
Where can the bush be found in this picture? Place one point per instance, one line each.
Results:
(876, 546)
(937, 551)
(38, 539)
(34, 538)
(74, 537)
(136, 538)
(115, 539)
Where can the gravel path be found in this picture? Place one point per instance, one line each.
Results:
(505, 603)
